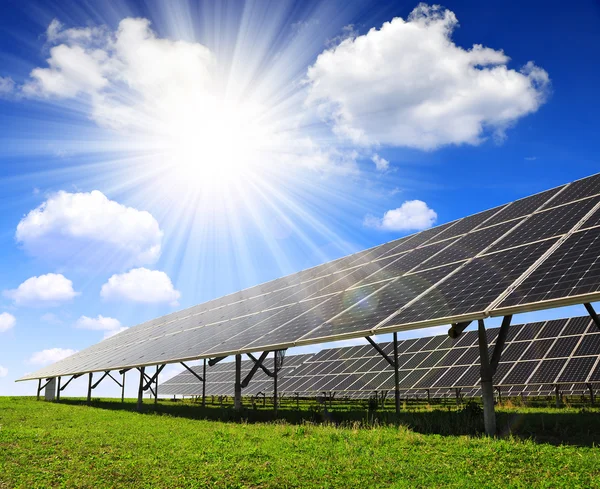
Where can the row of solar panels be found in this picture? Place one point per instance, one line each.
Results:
(563, 351)
(506, 391)
(529, 254)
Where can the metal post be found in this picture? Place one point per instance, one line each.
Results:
(204, 384)
(237, 402)
(58, 390)
(499, 394)
(156, 387)
(89, 395)
(592, 396)
(557, 395)
(457, 396)
(275, 368)
(39, 388)
(123, 388)
(428, 396)
(140, 399)
(396, 375)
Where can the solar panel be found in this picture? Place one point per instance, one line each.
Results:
(579, 189)
(547, 224)
(523, 207)
(424, 290)
(577, 369)
(367, 314)
(474, 286)
(571, 270)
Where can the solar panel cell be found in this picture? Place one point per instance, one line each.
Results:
(578, 190)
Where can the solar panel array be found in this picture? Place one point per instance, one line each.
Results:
(533, 253)
(220, 378)
(536, 356)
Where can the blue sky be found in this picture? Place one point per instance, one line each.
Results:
(127, 192)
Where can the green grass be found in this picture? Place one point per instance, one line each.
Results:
(68, 444)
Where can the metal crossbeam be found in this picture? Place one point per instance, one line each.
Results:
(262, 367)
(69, 381)
(254, 368)
(213, 361)
(192, 372)
(380, 351)
(101, 379)
(456, 329)
(592, 313)
(117, 382)
(153, 378)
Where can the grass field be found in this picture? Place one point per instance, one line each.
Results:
(68, 444)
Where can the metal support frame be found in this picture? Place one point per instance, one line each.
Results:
(275, 371)
(592, 396)
(590, 309)
(204, 384)
(58, 389)
(394, 363)
(153, 379)
(488, 369)
(457, 390)
(237, 400)
(123, 387)
(257, 364)
(213, 361)
(41, 387)
(140, 399)
(89, 392)
(457, 329)
(62, 388)
(261, 364)
(557, 396)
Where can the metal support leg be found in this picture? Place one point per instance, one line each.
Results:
(39, 388)
(156, 386)
(275, 393)
(488, 369)
(123, 388)
(204, 384)
(237, 402)
(592, 396)
(140, 399)
(428, 396)
(58, 390)
(557, 395)
(457, 396)
(89, 394)
(396, 376)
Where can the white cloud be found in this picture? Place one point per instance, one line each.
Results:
(412, 215)
(407, 84)
(100, 323)
(381, 164)
(7, 321)
(114, 332)
(7, 86)
(91, 224)
(51, 355)
(3, 371)
(45, 290)
(167, 97)
(141, 285)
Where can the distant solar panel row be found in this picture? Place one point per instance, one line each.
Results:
(563, 351)
(220, 378)
(531, 254)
